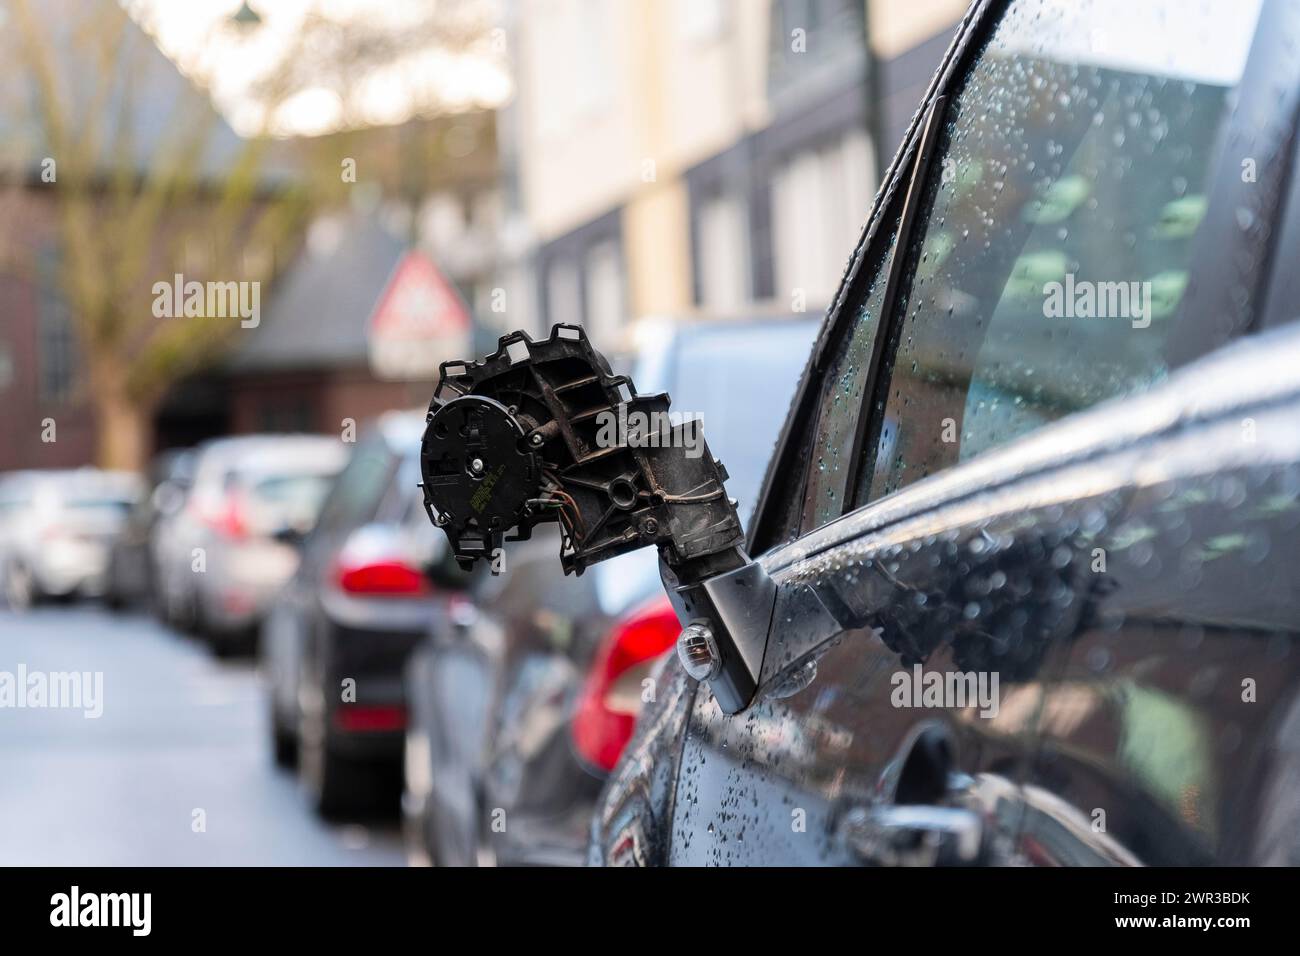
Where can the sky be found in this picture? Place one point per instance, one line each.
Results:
(199, 38)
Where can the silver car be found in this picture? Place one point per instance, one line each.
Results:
(56, 528)
(223, 555)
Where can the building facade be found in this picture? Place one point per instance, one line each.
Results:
(700, 157)
(40, 383)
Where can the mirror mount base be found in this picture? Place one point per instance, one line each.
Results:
(735, 607)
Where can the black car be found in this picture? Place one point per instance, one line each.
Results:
(522, 704)
(1033, 523)
(131, 577)
(336, 639)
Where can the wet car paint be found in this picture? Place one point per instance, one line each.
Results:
(1137, 601)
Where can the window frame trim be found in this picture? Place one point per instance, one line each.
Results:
(864, 432)
(1201, 315)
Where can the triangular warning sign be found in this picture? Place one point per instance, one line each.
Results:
(418, 321)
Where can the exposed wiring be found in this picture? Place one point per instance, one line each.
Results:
(572, 517)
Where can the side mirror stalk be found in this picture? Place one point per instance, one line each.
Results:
(726, 619)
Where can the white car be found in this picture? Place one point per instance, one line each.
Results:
(224, 553)
(56, 528)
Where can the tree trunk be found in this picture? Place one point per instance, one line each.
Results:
(123, 432)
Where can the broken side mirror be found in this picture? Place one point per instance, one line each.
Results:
(545, 432)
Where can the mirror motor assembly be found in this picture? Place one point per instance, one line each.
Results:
(538, 432)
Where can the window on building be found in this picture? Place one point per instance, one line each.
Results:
(821, 196)
(808, 35)
(563, 292)
(56, 344)
(606, 292)
(724, 253)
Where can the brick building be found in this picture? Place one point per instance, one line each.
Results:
(42, 368)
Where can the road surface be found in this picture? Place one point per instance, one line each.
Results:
(175, 771)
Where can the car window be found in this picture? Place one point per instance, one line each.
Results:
(118, 507)
(1054, 235)
(277, 501)
(355, 495)
(404, 496)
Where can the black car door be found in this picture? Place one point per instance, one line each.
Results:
(1031, 655)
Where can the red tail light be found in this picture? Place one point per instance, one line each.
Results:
(387, 578)
(224, 515)
(611, 697)
(361, 718)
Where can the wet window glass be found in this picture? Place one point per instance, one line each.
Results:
(1054, 237)
(841, 405)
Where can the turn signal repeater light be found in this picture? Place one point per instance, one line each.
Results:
(698, 652)
(521, 438)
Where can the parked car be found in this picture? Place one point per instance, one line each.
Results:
(57, 530)
(131, 573)
(522, 704)
(223, 557)
(374, 575)
(1035, 589)
(14, 501)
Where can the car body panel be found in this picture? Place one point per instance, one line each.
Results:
(990, 567)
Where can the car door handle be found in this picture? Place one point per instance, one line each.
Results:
(915, 835)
